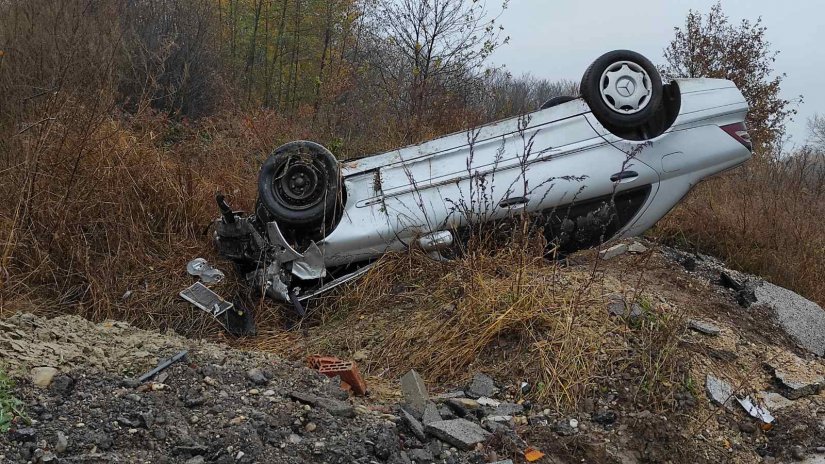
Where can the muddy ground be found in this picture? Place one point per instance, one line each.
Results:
(225, 405)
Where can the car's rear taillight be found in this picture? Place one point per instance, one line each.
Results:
(739, 131)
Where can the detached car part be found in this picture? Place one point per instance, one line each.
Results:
(606, 165)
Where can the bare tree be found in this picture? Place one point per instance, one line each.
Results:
(432, 43)
(711, 46)
(816, 128)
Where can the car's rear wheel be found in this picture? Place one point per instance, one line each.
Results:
(623, 89)
(299, 186)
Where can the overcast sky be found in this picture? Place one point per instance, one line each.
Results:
(557, 39)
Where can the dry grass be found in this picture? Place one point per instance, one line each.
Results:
(766, 218)
(506, 311)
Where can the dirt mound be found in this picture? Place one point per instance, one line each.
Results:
(678, 322)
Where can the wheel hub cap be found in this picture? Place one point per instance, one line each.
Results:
(625, 87)
(300, 183)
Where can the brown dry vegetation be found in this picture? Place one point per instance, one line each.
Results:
(765, 218)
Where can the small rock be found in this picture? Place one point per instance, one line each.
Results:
(25, 434)
(269, 393)
(704, 327)
(237, 420)
(481, 385)
(62, 443)
(62, 385)
(294, 438)
(566, 427)
(488, 402)
(613, 251)
(604, 418)
(720, 391)
(798, 452)
(128, 422)
(774, 401)
(256, 376)
(415, 393)
(43, 376)
(460, 433)
(747, 427)
(195, 460)
(421, 455)
(310, 427)
(636, 248)
(509, 409)
(210, 381)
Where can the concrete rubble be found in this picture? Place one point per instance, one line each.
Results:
(704, 327)
(795, 377)
(720, 391)
(461, 433)
(801, 318)
(613, 251)
(481, 385)
(415, 393)
(636, 248)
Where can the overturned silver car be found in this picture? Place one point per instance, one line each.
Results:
(604, 166)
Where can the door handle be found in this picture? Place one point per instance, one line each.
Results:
(513, 202)
(624, 175)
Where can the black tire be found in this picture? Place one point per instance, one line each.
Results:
(556, 101)
(609, 111)
(299, 186)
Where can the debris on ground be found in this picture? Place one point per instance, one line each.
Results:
(209, 275)
(415, 393)
(481, 386)
(461, 433)
(795, 377)
(636, 248)
(532, 454)
(720, 391)
(774, 401)
(162, 366)
(613, 251)
(801, 318)
(704, 327)
(347, 371)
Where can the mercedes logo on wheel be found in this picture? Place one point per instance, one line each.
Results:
(626, 87)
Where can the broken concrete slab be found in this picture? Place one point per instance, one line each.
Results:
(460, 433)
(413, 424)
(795, 377)
(720, 391)
(415, 393)
(636, 248)
(704, 327)
(509, 409)
(774, 401)
(613, 251)
(481, 385)
(488, 402)
(801, 318)
(430, 413)
(335, 407)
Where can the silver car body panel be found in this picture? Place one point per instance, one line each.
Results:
(535, 162)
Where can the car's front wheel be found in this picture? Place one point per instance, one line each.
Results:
(623, 89)
(299, 186)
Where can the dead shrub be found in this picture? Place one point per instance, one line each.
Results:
(765, 218)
